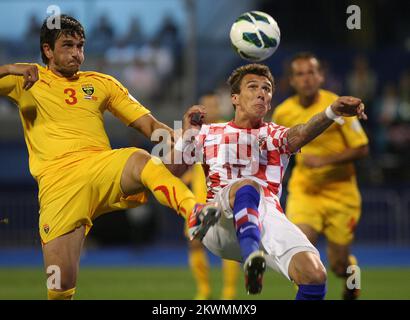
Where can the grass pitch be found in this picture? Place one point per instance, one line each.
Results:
(177, 283)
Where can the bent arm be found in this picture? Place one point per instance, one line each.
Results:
(28, 71)
(348, 155)
(301, 134)
(147, 124)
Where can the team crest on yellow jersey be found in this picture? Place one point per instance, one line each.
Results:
(46, 228)
(88, 89)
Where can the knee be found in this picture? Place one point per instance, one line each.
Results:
(141, 157)
(308, 269)
(312, 274)
(238, 185)
(139, 160)
(248, 182)
(317, 275)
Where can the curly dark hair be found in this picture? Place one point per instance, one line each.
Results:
(69, 26)
(237, 75)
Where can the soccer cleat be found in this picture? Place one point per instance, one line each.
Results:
(254, 268)
(202, 217)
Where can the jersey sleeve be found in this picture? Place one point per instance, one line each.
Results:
(122, 104)
(353, 133)
(277, 139)
(11, 86)
(199, 143)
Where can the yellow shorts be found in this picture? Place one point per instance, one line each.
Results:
(84, 187)
(333, 212)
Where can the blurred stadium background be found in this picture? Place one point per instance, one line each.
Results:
(170, 52)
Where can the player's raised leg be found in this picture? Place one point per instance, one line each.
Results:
(340, 259)
(142, 171)
(62, 261)
(308, 272)
(244, 198)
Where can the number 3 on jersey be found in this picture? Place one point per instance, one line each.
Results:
(72, 99)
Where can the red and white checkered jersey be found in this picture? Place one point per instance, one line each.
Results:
(229, 153)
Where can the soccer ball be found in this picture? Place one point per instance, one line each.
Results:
(255, 36)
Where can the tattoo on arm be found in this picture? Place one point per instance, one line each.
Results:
(302, 134)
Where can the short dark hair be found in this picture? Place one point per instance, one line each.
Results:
(305, 55)
(69, 26)
(237, 75)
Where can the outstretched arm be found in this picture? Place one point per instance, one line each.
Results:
(301, 134)
(147, 125)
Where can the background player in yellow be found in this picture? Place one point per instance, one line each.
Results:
(323, 192)
(198, 259)
(79, 176)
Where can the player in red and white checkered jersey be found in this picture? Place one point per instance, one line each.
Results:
(244, 161)
(231, 153)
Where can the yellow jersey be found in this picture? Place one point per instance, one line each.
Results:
(333, 140)
(63, 118)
